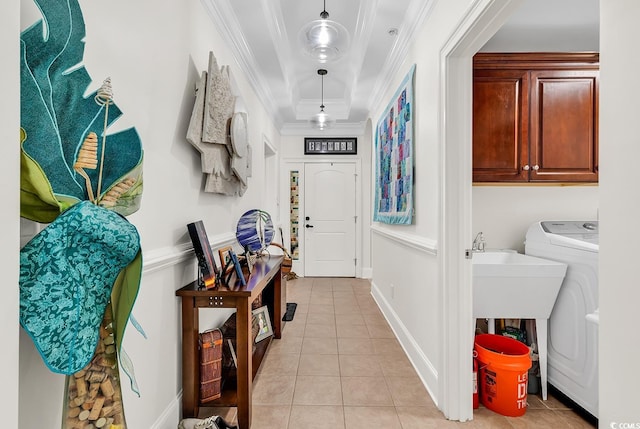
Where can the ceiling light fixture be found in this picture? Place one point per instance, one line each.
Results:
(323, 39)
(321, 120)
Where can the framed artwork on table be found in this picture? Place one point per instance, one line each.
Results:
(204, 254)
(225, 258)
(264, 323)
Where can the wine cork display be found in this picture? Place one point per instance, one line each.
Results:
(93, 396)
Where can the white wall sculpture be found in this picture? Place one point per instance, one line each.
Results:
(219, 132)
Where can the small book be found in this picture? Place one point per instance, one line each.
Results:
(238, 267)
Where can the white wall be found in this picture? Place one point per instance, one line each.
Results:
(619, 208)
(406, 256)
(154, 53)
(504, 213)
(9, 229)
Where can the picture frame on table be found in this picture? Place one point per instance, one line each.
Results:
(208, 270)
(261, 316)
(225, 258)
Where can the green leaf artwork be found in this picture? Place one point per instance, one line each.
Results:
(56, 119)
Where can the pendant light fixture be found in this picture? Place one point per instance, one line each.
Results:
(323, 39)
(321, 120)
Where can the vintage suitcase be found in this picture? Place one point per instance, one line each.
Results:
(210, 344)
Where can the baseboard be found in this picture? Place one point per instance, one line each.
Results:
(171, 416)
(367, 273)
(426, 370)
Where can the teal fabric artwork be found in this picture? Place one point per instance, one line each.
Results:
(64, 132)
(394, 148)
(67, 273)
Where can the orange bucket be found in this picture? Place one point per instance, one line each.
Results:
(504, 364)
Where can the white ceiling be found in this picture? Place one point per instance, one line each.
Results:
(263, 35)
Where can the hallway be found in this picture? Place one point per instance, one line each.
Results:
(338, 365)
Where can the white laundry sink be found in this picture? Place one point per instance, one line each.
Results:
(514, 285)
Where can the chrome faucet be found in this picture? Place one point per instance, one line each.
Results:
(478, 243)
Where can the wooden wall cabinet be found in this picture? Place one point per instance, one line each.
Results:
(535, 117)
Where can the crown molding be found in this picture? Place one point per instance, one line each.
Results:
(224, 19)
(419, 9)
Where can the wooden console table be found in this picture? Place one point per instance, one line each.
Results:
(266, 278)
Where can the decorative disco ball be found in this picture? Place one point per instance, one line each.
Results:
(255, 230)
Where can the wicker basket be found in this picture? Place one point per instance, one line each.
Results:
(287, 262)
(210, 344)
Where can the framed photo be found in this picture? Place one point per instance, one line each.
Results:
(264, 323)
(204, 254)
(225, 257)
(330, 146)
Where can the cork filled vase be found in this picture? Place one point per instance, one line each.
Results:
(93, 395)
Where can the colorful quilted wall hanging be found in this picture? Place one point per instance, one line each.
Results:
(393, 201)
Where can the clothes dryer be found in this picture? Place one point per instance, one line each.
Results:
(573, 325)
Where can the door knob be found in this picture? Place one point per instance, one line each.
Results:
(536, 167)
(526, 167)
(308, 226)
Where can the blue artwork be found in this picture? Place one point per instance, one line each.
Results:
(394, 158)
(255, 230)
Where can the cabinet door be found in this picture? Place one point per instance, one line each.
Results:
(564, 126)
(500, 120)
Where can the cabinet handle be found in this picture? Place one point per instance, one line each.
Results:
(536, 167)
(526, 167)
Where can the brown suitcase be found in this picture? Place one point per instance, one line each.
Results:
(210, 344)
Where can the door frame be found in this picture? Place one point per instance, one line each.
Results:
(299, 164)
(481, 21)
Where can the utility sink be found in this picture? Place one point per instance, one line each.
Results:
(509, 285)
(514, 285)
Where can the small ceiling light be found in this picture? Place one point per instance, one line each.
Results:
(323, 39)
(393, 32)
(321, 120)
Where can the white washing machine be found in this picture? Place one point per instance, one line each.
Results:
(573, 325)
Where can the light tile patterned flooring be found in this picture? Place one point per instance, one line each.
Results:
(339, 366)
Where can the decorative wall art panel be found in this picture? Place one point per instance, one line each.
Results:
(219, 134)
(394, 177)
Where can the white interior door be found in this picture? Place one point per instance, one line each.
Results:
(330, 219)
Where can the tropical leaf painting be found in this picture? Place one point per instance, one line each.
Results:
(56, 118)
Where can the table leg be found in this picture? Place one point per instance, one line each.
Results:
(190, 362)
(277, 304)
(244, 349)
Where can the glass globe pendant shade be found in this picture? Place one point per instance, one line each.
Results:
(323, 39)
(321, 120)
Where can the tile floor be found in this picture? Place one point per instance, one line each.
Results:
(339, 366)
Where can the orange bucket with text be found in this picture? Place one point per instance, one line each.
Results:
(503, 369)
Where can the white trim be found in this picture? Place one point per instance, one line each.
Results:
(170, 415)
(223, 18)
(421, 244)
(419, 9)
(165, 257)
(425, 369)
(367, 273)
(482, 19)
